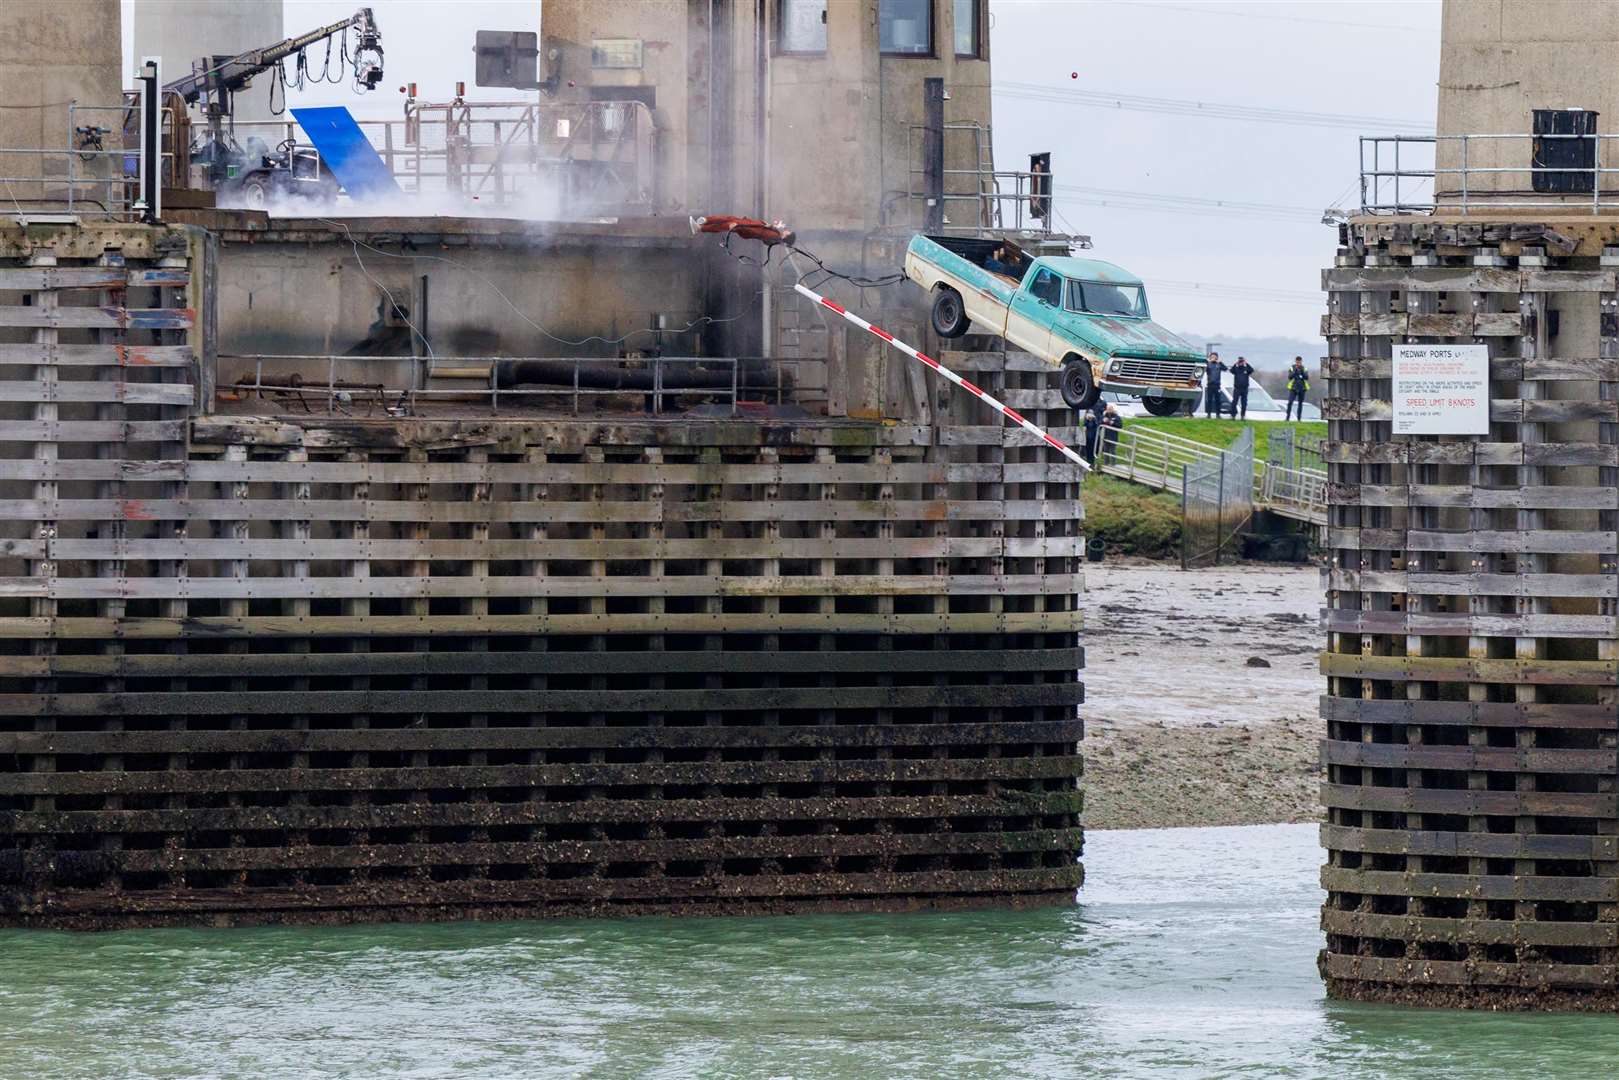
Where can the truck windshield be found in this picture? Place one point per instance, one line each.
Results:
(1100, 298)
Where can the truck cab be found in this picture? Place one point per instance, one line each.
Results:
(1087, 317)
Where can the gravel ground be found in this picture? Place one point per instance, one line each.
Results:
(1201, 693)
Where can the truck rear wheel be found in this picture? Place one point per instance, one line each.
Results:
(1079, 389)
(949, 314)
(1162, 406)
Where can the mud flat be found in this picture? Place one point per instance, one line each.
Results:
(1184, 723)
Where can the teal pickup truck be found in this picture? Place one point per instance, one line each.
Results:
(1088, 318)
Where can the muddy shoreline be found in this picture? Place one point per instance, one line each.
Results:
(1202, 692)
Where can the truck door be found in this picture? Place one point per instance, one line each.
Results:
(1033, 310)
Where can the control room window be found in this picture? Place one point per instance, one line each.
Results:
(801, 27)
(967, 33)
(905, 27)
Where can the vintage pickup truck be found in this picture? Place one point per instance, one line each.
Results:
(1087, 317)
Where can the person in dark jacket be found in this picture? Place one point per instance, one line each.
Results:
(1241, 372)
(1112, 424)
(1093, 428)
(1298, 384)
(1211, 385)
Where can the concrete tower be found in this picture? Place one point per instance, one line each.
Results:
(184, 31)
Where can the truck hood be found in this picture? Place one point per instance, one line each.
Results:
(1126, 337)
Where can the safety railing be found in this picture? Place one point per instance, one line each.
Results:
(92, 173)
(1406, 174)
(981, 198)
(1296, 493)
(339, 385)
(546, 158)
(1158, 459)
(1150, 457)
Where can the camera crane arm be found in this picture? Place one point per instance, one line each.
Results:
(235, 73)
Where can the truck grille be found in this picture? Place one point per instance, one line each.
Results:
(1156, 371)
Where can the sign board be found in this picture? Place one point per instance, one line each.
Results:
(1441, 390)
(507, 58)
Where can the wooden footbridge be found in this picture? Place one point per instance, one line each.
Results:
(1158, 459)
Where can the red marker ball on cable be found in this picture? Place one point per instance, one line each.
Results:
(1073, 74)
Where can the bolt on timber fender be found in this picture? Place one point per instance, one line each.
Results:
(928, 361)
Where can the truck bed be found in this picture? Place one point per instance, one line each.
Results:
(978, 252)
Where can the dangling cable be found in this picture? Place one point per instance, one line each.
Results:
(278, 77)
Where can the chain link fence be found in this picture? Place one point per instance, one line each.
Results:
(1217, 501)
(1289, 448)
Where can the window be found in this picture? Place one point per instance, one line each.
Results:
(1046, 287)
(1100, 298)
(967, 44)
(905, 27)
(801, 26)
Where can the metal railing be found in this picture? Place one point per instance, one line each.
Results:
(1294, 493)
(733, 382)
(551, 157)
(1158, 459)
(1419, 174)
(981, 198)
(91, 174)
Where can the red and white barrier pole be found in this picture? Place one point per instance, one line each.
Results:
(928, 361)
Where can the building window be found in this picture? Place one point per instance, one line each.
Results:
(967, 40)
(905, 27)
(802, 26)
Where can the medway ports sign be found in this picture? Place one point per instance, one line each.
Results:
(1441, 390)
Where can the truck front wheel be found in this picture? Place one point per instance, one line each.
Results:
(1162, 406)
(1079, 390)
(949, 314)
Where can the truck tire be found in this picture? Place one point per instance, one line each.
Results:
(949, 314)
(1161, 406)
(1079, 389)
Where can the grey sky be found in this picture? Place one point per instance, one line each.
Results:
(1353, 60)
(1368, 58)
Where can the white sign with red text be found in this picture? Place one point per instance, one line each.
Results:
(1441, 390)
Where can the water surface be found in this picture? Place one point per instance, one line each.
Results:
(1192, 954)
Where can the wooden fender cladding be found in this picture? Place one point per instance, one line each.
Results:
(1472, 654)
(270, 669)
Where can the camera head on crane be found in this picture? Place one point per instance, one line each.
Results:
(368, 54)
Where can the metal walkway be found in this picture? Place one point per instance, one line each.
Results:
(1158, 460)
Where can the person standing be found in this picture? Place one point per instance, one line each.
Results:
(1298, 384)
(1093, 428)
(1211, 386)
(1112, 424)
(1241, 372)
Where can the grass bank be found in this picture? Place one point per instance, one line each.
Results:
(1131, 519)
(1223, 432)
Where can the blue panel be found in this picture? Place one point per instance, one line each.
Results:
(345, 150)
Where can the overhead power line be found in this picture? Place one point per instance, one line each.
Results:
(1210, 9)
(1211, 110)
(1124, 199)
(1219, 291)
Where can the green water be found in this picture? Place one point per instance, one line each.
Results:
(1192, 955)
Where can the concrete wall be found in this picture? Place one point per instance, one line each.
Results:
(822, 140)
(52, 53)
(294, 298)
(1502, 59)
(837, 124)
(182, 31)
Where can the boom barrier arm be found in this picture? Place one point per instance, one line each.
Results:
(928, 361)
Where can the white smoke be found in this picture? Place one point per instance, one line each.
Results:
(538, 198)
